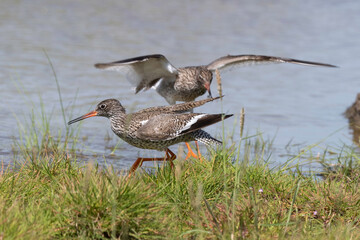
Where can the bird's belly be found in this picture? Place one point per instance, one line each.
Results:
(179, 92)
(184, 95)
(188, 95)
(156, 144)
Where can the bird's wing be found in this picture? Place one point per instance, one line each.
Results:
(178, 108)
(243, 60)
(143, 72)
(169, 126)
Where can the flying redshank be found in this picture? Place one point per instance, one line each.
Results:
(187, 83)
(158, 127)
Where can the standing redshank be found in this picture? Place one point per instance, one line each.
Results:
(158, 127)
(187, 83)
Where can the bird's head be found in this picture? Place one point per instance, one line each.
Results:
(106, 108)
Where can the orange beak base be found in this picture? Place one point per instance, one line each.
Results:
(90, 114)
(207, 86)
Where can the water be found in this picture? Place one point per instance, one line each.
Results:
(296, 104)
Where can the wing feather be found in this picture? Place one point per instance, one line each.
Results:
(169, 126)
(162, 127)
(142, 72)
(231, 60)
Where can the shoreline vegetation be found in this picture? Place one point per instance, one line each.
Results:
(235, 193)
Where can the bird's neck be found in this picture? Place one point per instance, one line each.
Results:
(118, 120)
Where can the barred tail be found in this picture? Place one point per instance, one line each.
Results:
(205, 138)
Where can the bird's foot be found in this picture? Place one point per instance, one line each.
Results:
(191, 152)
(169, 156)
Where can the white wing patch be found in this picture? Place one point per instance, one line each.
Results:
(157, 84)
(128, 72)
(171, 68)
(191, 122)
(143, 73)
(143, 122)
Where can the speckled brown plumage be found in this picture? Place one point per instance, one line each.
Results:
(187, 83)
(353, 115)
(353, 112)
(157, 127)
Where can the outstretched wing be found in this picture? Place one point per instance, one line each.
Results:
(169, 126)
(231, 60)
(143, 72)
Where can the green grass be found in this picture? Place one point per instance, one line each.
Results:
(47, 193)
(234, 194)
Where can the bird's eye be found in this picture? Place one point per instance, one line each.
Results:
(102, 106)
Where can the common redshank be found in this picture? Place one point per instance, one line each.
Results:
(353, 112)
(158, 127)
(187, 83)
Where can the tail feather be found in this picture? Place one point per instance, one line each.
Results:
(206, 138)
(205, 121)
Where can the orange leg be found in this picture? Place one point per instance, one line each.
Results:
(198, 150)
(169, 156)
(191, 153)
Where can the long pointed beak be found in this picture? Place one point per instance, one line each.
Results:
(90, 114)
(207, 86)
